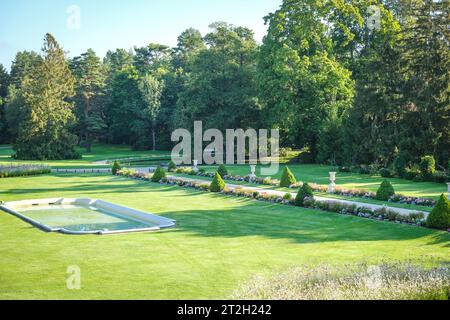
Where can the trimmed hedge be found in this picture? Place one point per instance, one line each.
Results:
(385, 192)
(217, 184)
(287, 179)
(23, 171)
(440, 216)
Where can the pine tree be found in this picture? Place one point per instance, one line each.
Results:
(44, 134)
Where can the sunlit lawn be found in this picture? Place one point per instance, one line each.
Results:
(99, 152)
(220, 242)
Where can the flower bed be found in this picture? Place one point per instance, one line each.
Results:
(382, 214)
(21, 170)
(340, 191)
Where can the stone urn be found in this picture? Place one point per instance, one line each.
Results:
(332, 184)
(253, 173)
(448, 191)
(195, 166)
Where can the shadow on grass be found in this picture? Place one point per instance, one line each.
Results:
(244, 217)
(295, 224)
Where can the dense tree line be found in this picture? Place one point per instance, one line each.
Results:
(350, 82)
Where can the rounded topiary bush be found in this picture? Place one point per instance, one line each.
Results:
(386, 191)
(223, 171)
(158, 174)
(172, 166)
(427, 166)
(305, 192)
(217, 184)
(287, 178)
(116, 167)
(440, 216)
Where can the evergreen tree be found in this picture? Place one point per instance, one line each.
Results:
(89, 99)
(44, 134)
(151, 91)
(4, 83)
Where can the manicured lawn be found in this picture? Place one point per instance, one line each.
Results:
(320, 174)
(99, 152)
(220, 242)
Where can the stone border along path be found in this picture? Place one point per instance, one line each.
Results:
(267, 191)
(324, 199)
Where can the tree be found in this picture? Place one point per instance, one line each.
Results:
(89, 100)
(426, 58)
(124, 98)
(44, 134)
(4, 83)
(151, 90)
(190, 43)
(301, 82)
(220, 87)
(153, 58)
(23, 65)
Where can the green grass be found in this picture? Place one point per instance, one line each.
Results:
(99, 152)
(320, 174)
(220, 242)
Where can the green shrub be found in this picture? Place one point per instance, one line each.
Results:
(411, 173)
(304, 193)
(440, 177)
(222, 170)
(172, 166)
(385, 191)
(288, 178)
(217, 185)
(287, 196)
(158, 174)
(427, 167)
(116, 167)
(385, 173)
(440, 216)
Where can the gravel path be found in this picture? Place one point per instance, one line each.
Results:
(349, 202)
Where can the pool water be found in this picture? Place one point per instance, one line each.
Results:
(79, 218)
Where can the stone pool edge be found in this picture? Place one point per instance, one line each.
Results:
(162, 222)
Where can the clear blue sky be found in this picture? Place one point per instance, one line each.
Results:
(111, 24)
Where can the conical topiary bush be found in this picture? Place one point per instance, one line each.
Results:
(305, 192)
(217, 185)
(385, 192)
(116, 167)
(158, 174)
(223, 171)
(440, 216)
(287, 178)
